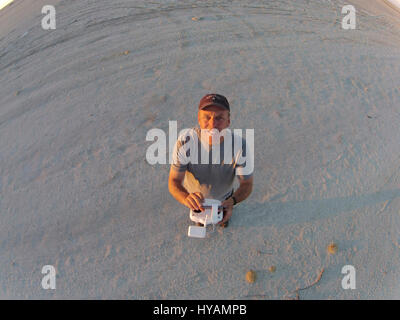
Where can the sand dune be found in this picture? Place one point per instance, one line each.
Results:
(76, 191)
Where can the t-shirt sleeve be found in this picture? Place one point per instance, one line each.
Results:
(179, 159)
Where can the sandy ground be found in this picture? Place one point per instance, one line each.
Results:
(76, 191)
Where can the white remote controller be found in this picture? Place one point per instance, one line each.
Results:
(212, 214)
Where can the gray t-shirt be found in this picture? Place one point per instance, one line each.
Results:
(204, 172)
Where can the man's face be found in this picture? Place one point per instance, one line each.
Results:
(214, 117)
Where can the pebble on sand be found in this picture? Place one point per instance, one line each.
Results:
(250, 276)
(272, 269)
(332, 248)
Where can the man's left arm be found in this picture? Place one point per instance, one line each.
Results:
(241, 193)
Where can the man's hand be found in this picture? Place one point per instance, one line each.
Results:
(191, 200)
(228, 209)
(194, 201)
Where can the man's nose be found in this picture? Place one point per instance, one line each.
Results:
(212, 123)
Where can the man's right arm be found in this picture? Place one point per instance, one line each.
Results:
(191, 200)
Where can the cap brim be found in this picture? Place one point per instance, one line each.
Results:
(214, 104)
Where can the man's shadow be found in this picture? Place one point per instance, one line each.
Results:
(276, 213)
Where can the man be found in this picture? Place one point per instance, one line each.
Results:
(190, 182)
